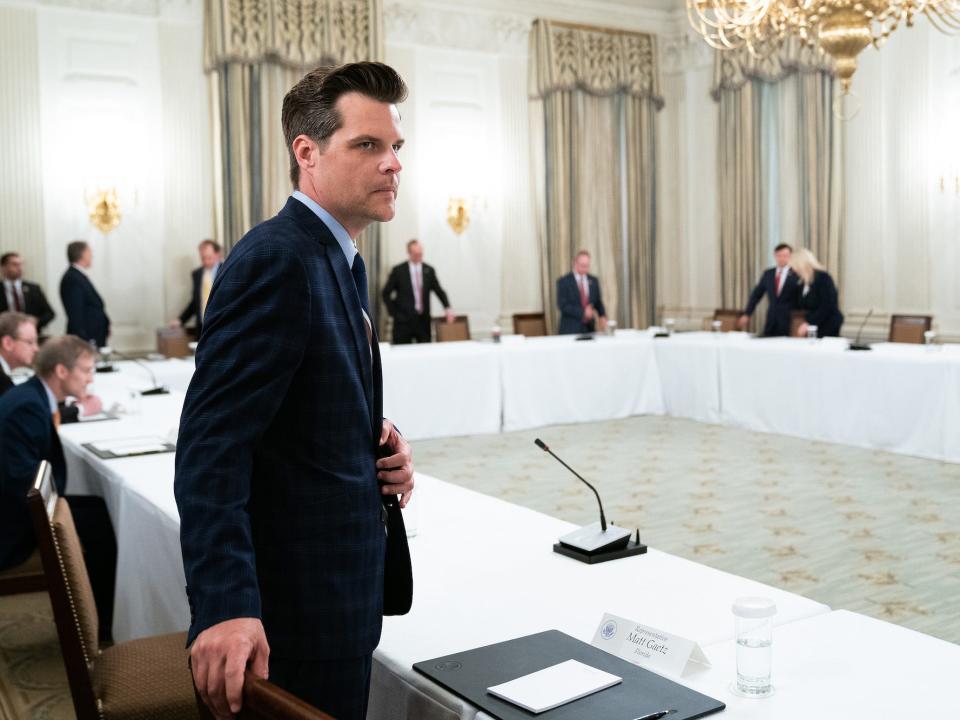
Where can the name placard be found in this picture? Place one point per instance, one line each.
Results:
(646, 646)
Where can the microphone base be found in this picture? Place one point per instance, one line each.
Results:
(159, 390)
(858, 346)
(631, 548)
(105, 367)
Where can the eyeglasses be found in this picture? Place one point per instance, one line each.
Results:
(31, 343)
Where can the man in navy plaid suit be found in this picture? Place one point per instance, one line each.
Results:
(282, 515)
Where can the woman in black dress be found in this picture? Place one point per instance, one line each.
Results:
(818, 297)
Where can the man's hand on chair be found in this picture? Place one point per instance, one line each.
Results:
(220, 655)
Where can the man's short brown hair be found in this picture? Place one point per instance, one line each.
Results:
(64, 350)
(581, 252)
(411, 243)
(75, 251)
(10, 323)
(214, 245)
(310, 106)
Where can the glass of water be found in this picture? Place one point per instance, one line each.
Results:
(670, 325)
(929, 336)
(716, 326)
(812, 332)
(754, 633)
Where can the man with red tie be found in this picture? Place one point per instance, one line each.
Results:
(579, 300)
(407, 297)
(782, 289)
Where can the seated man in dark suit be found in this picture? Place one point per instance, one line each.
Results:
(407, 297)
(20, 295)
(86, 317)
(782, 289)
(211, 256)
(578, 297)
(18, 345)
(28, 434)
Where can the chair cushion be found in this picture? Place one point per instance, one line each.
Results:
(145, 679)
(31, 566)
(78, 582)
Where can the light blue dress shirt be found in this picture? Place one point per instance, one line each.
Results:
(339, 232)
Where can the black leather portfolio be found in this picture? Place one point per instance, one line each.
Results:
(468, 674)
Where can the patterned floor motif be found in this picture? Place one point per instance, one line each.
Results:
(33, 683)
(867, 531)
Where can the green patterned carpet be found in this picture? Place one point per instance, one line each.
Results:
(860, 530)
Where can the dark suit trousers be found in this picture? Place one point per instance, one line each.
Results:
(99, 553)
(339, 687)
(406, 331)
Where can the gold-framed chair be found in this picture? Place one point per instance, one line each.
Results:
(143, 679)
(909, 328)
(530, 324)
(445, 331)
(797, 318)
(728, 318)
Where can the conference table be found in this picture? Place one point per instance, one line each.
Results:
(897, 398)
(485, 572)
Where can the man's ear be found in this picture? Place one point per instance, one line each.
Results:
(305, 150)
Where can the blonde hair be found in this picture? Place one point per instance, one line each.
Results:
(804, 263)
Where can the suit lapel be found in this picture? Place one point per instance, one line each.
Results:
(314, 227)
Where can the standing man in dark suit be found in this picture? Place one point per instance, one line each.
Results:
(407, 297)
(18, 345)
(578, 297)
(211, 257)
(86, 317)
(20, 295)
(28, 434)
(780, 285)
(283, 500)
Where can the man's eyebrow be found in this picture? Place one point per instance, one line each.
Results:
(371, 138)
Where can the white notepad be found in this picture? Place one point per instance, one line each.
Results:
(554, 686)
(131, 446)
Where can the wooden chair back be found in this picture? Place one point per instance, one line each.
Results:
(530, 324)
(909, 328)
(728, 319)
(74, 610)
(262, 700)
(459, 329)
(797, 318)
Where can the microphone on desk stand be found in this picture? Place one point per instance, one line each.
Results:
(157, 388)
(597, 542)
(856, 345)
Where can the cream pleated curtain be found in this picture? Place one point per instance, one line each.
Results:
(780, 163)
(255, 51)
(594, 96)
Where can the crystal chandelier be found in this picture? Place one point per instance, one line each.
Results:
(841, 28)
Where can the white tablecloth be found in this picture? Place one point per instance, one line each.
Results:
(689, 368)
(901, 398)
(443, 389)
(552, 380)
(139, 496)
(841, 666)
(485, 572)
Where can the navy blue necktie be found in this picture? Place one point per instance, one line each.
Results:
(359, 271)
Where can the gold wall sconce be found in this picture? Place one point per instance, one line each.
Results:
(105, 212)
(458, 215)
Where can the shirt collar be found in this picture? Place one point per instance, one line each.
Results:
(339, 232)
(81, 269)
(6, 367)
(51, 398)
